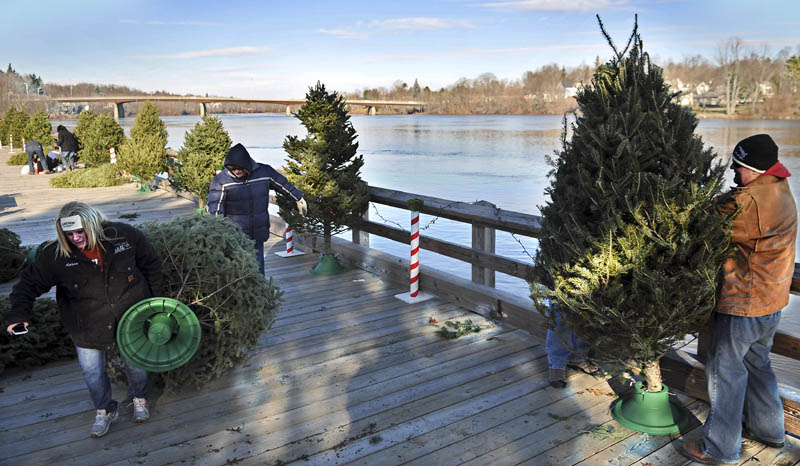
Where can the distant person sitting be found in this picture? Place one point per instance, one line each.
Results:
(34, 151)
(69, 147)
(241, 193)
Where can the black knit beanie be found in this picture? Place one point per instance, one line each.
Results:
(758, 153)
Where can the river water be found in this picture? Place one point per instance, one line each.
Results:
(500, 159)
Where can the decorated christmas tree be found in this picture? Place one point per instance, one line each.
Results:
(325, 167)
(631, 248)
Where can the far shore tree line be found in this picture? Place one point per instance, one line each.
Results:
(737, 81)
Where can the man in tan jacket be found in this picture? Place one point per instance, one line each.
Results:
(755, 287)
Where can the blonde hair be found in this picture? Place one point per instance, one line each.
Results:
(92, 220)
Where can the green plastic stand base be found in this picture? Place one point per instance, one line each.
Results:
(201, 211)
(650, 412)
(145, 188)
(328, 265)
(158, 334)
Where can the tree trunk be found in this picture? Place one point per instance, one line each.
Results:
(327, 249)
(201, 203)
(653, 373)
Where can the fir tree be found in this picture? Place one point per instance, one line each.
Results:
(39, 129)
(203, 152)
(5, 129)
(144, 154)
(17, 121)
(85, 119)
(631, 248)
(324, 166)
(103, 133)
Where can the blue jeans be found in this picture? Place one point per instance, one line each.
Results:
(93, 365)
(68, 159)
(741, 385)
(562, 346)
(260, 256)
(35, 150)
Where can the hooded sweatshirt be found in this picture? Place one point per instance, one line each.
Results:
(66, 140)
(245, 200)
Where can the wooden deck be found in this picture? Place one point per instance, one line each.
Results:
(348, 374)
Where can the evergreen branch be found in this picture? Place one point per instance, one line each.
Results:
(200, 300)
(524, 249)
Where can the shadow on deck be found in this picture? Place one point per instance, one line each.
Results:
(348, 374)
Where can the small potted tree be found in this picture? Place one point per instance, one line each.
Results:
(325, 167)
(631, 249)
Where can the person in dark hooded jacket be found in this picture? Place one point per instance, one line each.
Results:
(69, 147)
(241, 193)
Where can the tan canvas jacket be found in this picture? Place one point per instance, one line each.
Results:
(757, 278)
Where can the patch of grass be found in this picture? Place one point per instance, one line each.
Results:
(95, 177)
(453, 330)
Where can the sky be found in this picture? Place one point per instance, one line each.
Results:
(277, 49)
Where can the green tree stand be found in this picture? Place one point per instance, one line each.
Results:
(650, 412)
(328, 265)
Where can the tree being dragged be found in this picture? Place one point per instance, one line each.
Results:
(631, 248)
(325, 167)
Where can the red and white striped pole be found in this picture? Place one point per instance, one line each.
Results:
(290, 250)
(414, 295)
(414, 283)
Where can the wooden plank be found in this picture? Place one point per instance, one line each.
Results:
(523, 431)
(275, 424)
(632, 449)
(417, 444)
(422, 416)
(334, 366)
(269, 433)
(219, 405)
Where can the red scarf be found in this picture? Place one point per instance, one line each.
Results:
(777, 170)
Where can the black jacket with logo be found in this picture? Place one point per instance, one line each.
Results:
(91, 300)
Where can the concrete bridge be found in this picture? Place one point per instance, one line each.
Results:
(119, 112)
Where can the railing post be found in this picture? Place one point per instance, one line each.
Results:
(483, 239)
(361, 237)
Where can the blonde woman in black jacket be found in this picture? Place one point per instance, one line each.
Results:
(99, 269)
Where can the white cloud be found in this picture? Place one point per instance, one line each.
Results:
(422, 23)
(343, 33)
(209, 53)
(555, 5)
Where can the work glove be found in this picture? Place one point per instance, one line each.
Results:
(302, 207)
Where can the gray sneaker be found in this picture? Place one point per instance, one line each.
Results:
(140, 411)
(102, 422)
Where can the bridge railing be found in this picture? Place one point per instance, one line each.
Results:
(681, 370)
